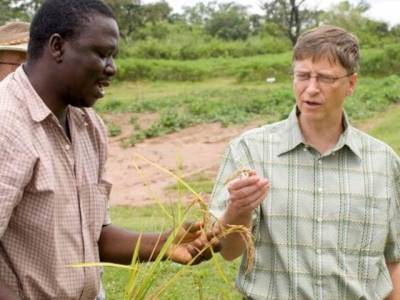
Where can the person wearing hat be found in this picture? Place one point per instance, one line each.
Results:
(53, 147)
(14, 38)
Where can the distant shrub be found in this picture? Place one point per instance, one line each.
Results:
(198, 47)
(136, 69)
(382, 62)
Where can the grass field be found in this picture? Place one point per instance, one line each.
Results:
(374, 107)
(179, 105)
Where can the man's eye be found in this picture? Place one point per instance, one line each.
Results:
(101, 55)
(302, 76)
(326, 78)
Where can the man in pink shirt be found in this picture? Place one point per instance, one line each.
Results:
(53, 191)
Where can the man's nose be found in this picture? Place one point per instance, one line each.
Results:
(313, 85)
(111, 68)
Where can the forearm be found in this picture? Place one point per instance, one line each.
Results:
(233, 245)
(394, 270)
(117, 245)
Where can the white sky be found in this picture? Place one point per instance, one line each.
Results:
(384, 10)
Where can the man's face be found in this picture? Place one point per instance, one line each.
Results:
(320, 89)
(88, 64)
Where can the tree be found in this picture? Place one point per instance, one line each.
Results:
(230, 22)
(11, 10)
(199, 13)
(351, 17)
(129, 14)
(156, 12)
(288, 14)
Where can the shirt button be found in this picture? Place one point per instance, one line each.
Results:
(320, 162)
(319, 220)
(320, 189)
(318, 251)
(318, 282)
(67, 147)
(86, 124)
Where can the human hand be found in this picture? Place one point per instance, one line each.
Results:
(192, 245)
(245, 194)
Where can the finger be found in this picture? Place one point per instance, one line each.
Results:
(192, 226)
(257, 196)
(195, 227)
(216, 244)
(239, 183)
(252, 204)
(249, 190)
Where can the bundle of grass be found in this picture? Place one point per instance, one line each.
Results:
(142, 276)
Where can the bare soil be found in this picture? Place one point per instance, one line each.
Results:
(188, 152)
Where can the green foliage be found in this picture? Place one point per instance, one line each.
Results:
(151, 219)
(387, 128)
(371, 33)
(184, 44)
(138, 69)
(129, 15)
(113, 129)
(381, 62)
(199, 182)
(12, 10)
(373, 96)
(375, 62)
(133, 17)
(229, 103)
(246, 68)
(229, 22)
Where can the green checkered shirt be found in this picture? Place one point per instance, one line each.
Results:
(329, 223)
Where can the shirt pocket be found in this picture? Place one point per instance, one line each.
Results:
(367, 225)
(95, 198)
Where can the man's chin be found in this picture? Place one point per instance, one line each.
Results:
(85, 103)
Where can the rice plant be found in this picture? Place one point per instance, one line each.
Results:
(142, 276)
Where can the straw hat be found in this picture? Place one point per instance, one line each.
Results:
(14, 36)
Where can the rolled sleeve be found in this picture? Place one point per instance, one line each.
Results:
(16, 169)
(392, 247)
(235, 158)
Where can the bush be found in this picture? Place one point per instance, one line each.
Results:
(382, 62)
(136, 69)
(199, 47)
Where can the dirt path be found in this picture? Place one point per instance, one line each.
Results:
(199, 149)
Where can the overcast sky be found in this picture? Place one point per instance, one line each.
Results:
(385, 10)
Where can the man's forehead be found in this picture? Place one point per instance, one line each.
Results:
(322, 62)
(99, 23)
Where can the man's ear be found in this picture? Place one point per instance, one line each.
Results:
(352, 84)
(56, 47)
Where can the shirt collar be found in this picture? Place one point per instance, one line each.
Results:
(37, 108)
(291, 136)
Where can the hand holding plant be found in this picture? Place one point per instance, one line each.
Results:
(192, 245)
(246, 192)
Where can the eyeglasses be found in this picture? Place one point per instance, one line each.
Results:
(305, 77)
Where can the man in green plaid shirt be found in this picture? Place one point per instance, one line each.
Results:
(326, 221)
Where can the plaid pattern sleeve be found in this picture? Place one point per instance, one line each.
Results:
(236, 156)
(329, 223)
(15, 170)
(392, 249)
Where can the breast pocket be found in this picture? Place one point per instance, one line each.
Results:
(368, 224)
(94, 199)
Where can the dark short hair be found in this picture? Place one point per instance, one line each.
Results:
(331, 42)
(65, 17)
